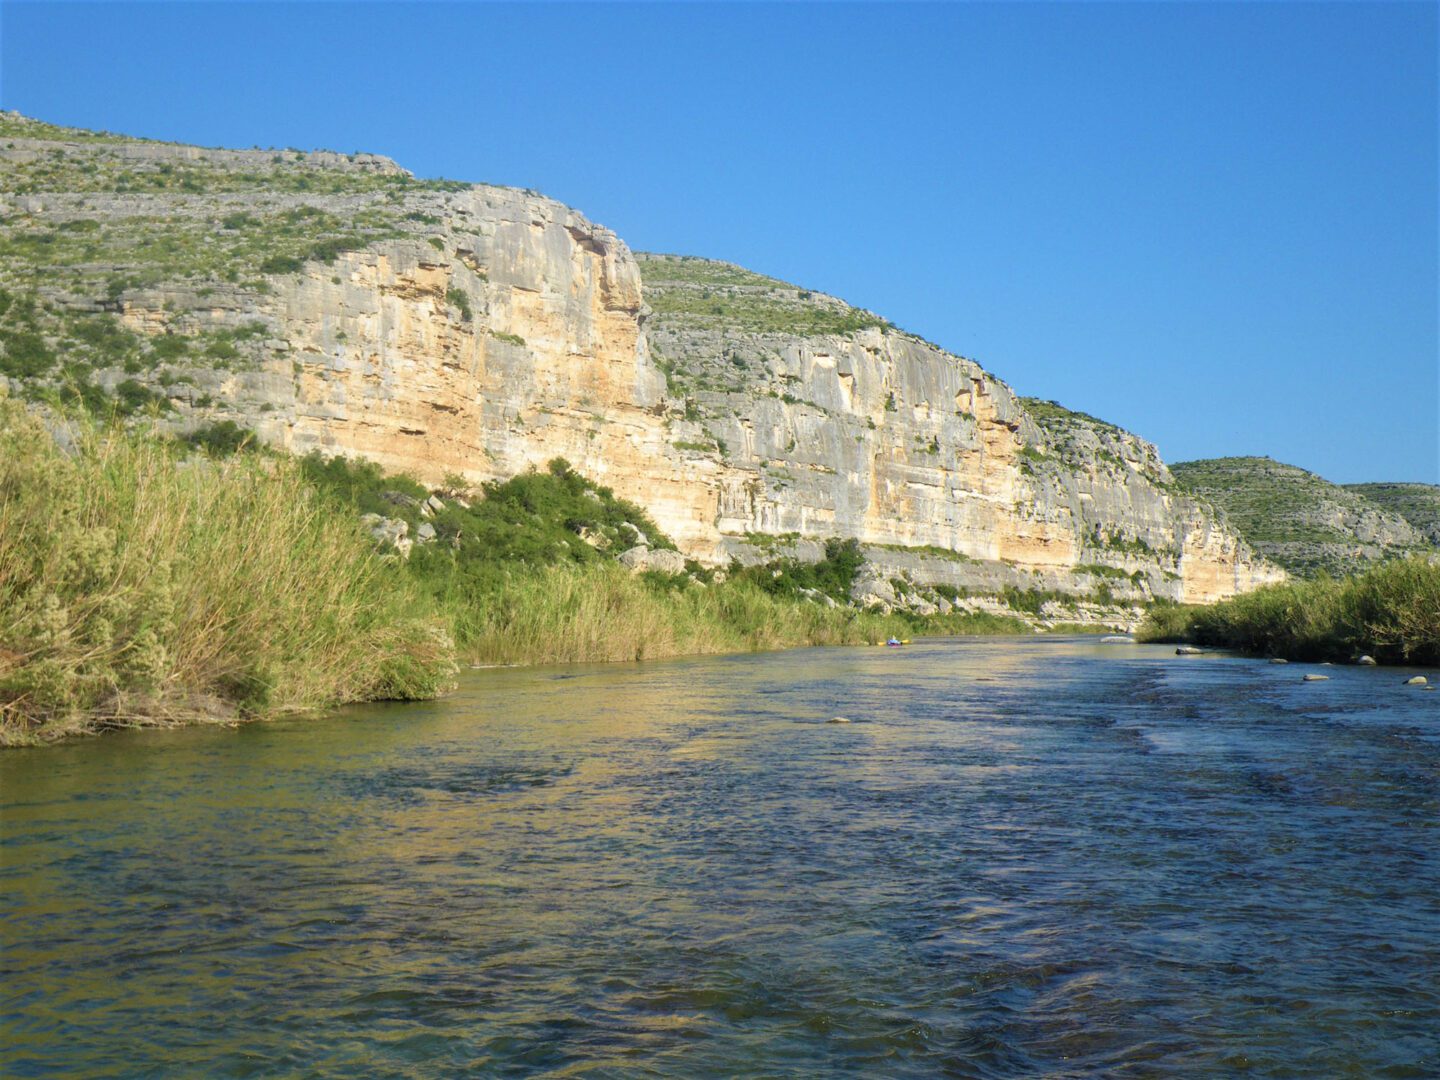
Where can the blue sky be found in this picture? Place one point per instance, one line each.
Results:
(1213, 224)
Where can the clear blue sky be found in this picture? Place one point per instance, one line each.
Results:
(1213, 224)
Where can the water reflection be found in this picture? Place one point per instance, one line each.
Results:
(1022, 857)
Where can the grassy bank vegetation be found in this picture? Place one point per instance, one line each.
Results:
(1391, 612)
(603, 612)
(138, 588)
(526, 572)
(148, 581)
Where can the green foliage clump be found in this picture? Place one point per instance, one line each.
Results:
(460, 300)
(834, 575)
(139, 590)
(1391, 612)
(1165, 620)
(24, 352)
(362, 485)
(525, 524)
(1115, 540)
(1031, 601)
(1102, 571)
(221, 439)
(132, 397)
(281, 264)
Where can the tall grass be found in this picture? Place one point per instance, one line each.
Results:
(602, 612)
(142, 583)
(139, 588)
(1390, 612)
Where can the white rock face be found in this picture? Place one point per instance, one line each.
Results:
(489, 330)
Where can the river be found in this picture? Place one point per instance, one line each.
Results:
(1047, 857)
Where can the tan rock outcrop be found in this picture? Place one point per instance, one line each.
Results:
(438, 329)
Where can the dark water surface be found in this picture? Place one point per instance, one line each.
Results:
(1024, 858)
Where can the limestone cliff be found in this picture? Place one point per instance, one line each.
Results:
(833, 422)
(336, 303)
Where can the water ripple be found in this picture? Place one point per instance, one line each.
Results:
(1042, 858)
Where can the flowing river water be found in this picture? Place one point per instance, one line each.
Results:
(1037, 857)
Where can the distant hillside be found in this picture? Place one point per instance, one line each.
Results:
(1419, 504)
(1302, 521)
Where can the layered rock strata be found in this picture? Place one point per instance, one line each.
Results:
(334, 303)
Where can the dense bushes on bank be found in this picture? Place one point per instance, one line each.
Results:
(526, 572)
(148, 581)
(137, 587)
(1390, 612)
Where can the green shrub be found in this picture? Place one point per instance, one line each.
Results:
(24, 354)
(331, 248)
(1165, 621)
(132, 397)
(1391, 612)
(834, 575)
(282, 264)
(221, 439)
(460, 300)
(1031, 601)
(140, 590)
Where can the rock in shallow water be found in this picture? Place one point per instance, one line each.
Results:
(1188, 650)
(1368, 661)
(1416, 680)
(1317, 678)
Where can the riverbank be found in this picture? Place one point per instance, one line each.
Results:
(143, 588)
(603, 612)
(150, 581)
(1390, 613)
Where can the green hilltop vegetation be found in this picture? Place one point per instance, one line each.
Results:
(1297, 519)
(695, 293)
(15, 126)
(123, 216)
(1053, 414)
(1419, 504)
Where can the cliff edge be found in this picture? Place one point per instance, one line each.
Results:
(335, 302)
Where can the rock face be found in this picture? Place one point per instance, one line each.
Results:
(1307, 524)
(334, 303)
(1418, 504)
(829, 421)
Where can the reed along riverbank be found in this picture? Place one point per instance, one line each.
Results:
(140, 586)
(1390, 612)
(147, 581)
